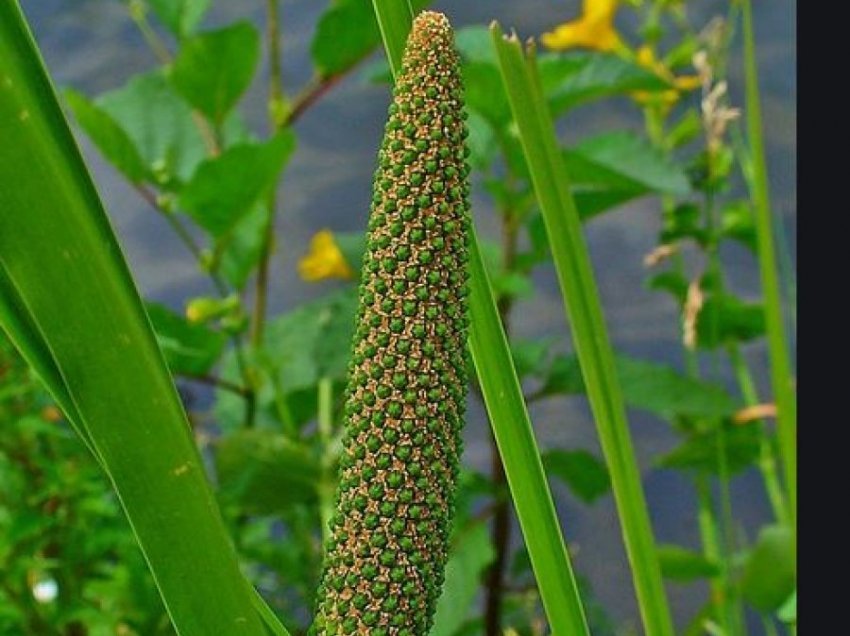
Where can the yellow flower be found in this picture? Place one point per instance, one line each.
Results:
(324, 260)
(682, 84)
(594, 29)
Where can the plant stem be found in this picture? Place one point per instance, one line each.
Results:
(711, 545)
(780, 366)
(220, 286)
(261, 285)
(310, 94)
(767, 459)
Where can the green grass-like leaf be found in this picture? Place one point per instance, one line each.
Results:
(590, 335)
(70, 304)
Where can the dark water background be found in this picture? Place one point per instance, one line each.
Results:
(92, 45)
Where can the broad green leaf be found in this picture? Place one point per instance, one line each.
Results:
(475, 45)
(352, 245)
(701, 451)
(648, 386)
(179, 16)
(59, 253)
(213, 69)
(159, 123)
(620, 159)
(471, 553)
(484, 93)
(571, 79)
(108, 136)
(725, 318)
(225, 188)
(737, 222)
(673, 282)
(482, 141)
(770, 574)
(312, 341)
(683, 565)
(191, 349)
(265, 472)
(664, 391)
(242, 247)
(787, 613)
(346, 33)
(684, 131)
(584, 473)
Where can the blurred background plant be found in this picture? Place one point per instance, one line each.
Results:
(264, 386)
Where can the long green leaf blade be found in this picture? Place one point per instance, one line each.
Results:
(394, 19)
(575, 275)
(508, 414)
(85, 323)
(521, 457)
(781, 375)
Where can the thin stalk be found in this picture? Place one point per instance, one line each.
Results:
(221, 288)
(781, 374)
(275, 100)
(709, 537)
(732, 606)
(767, 459)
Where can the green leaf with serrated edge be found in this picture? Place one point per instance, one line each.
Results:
(179, 16)
(189, 348)
(770, 574)
(265, 472)
(725, 318)
(112, 141)
(346, 33)
(683, 565)
(213, 69)
(701, 451)
(471, 553)
(160, 125)
(621, 159)
(648, 386)
(571, 79)
(584, 473)
(225, 188)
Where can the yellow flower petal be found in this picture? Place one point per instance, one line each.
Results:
(324, 260)
(687, 83)
(593, 30)
(645, 56)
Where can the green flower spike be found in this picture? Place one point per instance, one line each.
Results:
(406, 392)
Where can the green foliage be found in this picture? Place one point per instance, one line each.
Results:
(179, 16)
(472, 552)
(270, 431)
(190, 349)
(584, 473)
(160, 125)
(683, 566)
(770, 572)
(224, 189)
(212, 70)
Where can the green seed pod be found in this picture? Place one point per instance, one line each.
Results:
(407, 381)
